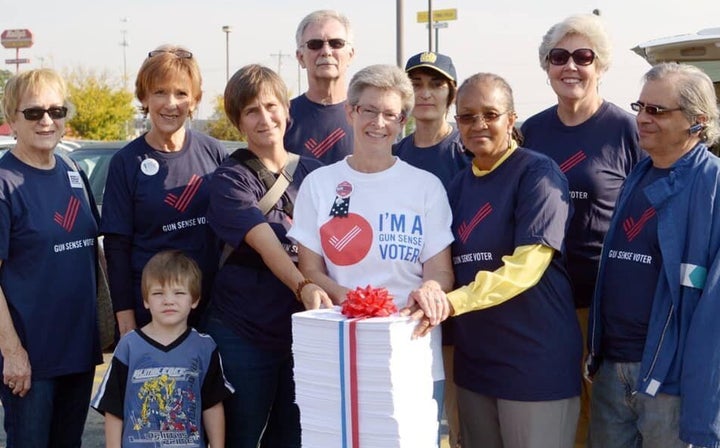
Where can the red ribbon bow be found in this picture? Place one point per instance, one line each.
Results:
(368, 302)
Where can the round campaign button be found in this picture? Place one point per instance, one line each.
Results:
(150, 167)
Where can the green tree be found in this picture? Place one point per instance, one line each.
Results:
(219, 126)
(104, 110)
(4, 76)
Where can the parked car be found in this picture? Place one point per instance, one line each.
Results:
(701, 49)
(94, 159)
(7, 143)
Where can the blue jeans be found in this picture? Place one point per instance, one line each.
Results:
(621, 417)
(262, 411)
(51, 415)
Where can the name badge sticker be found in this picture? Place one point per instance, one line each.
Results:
(75, 179)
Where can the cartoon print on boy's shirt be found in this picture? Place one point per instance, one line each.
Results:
(347, 237)
(168, 407)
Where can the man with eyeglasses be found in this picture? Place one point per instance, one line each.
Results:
(654, 340)
(318, 126)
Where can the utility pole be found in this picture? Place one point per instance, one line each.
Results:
(280, 55)
(124, 43)
(227, 29)
(430, 28)
(399, 29)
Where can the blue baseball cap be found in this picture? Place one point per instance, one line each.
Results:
(434, 61)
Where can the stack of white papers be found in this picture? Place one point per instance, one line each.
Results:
(363, 382)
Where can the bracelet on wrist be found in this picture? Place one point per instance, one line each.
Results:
(300, 286)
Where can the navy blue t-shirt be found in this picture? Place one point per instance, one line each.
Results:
(596, 157)
(47, 247)
(529, 347)
(317, 131)
(159, 200)
(247, 296)
(444, 160)
(631, 271)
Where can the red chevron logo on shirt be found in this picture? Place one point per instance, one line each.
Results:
(181, 203)
(67, 221)
(466, 228)
(572, 161)
(632, 228)
(319, 149)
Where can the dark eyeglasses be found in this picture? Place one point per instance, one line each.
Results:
(581, 56)
(368, 113)
(485, 117)
(37, 113)
(182, 54)
(335, 44)
(651, 109)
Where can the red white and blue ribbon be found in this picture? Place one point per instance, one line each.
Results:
(347, 332)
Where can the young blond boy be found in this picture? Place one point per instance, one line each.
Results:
(165, 385)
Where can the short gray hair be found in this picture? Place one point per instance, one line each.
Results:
(383, 77)
(588, 26)
(695, 95)
(321, 16)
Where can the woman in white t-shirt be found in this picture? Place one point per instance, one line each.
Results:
(372, 219)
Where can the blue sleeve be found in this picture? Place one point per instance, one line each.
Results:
(543, 211)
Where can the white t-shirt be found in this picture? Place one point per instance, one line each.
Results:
(397, 220)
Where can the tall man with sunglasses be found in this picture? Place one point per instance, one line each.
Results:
(318, 126)
(654, 335)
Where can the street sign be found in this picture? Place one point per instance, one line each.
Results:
(17, 61)
(16, 38)
(439, 15)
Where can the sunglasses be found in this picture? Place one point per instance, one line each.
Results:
(182, 54)
(37, 113)
(335, 44)
(650, 109)
(581, 56)
(486, 117)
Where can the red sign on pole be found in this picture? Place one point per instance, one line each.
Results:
(16, 38)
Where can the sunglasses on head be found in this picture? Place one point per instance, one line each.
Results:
(651, 109)
(316, 44)
(37, 113)
(581, 56)
(182, 54)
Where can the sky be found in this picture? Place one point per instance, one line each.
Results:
(501, 37)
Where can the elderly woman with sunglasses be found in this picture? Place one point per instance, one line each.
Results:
(156, 194)
(372, 219)
(49, 343)
(595, 143)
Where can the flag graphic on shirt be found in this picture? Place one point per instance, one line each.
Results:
(181, 202)
(466, 228)
(67, 221)
(633, 228)
(573, 161)
(318, 149)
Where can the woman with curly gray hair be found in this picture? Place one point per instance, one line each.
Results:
(595, 143)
